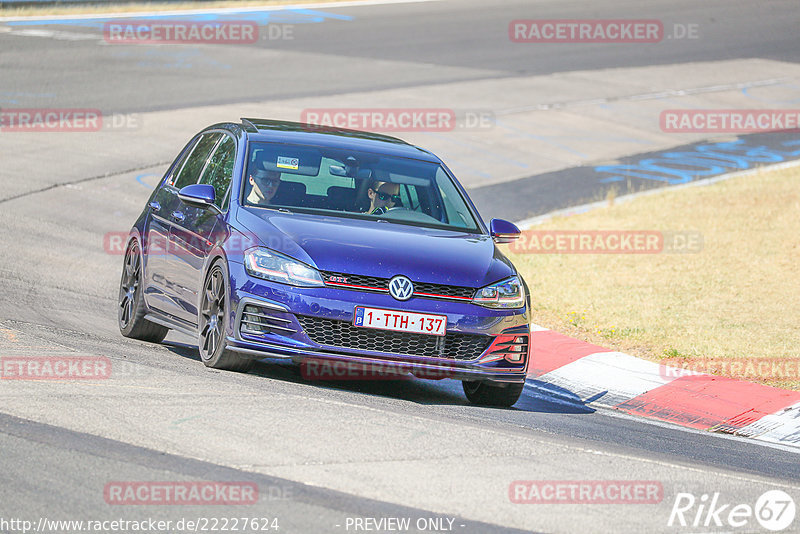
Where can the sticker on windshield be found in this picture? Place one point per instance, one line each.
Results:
(288, 163)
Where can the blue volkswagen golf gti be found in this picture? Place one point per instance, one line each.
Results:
(272, 239)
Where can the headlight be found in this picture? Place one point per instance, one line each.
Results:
(269, 265)
(510, 293)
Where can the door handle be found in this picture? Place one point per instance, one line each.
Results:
(178, 216)
(155, 206)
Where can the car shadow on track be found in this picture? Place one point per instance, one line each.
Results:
(186, 350)
(426, 392)
(420, 391)
(552, 399)
(409, 389)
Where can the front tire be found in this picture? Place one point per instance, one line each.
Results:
(213, 320)
(484, 394)
(131, 309)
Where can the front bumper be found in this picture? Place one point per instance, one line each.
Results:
(381, 364)
(284, 310)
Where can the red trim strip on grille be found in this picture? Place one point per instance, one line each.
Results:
(441, 296)
(416, 293)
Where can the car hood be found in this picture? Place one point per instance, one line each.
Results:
(383, 250)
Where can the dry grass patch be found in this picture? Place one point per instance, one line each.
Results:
(738, 300)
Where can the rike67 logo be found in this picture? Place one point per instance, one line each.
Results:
(774, 510)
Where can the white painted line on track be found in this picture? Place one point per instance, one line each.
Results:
(216, 11)
(644, 96)
(51, 34)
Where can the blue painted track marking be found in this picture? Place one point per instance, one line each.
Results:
(704, 160)
(141, 176)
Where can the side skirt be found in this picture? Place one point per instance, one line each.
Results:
(172, 323)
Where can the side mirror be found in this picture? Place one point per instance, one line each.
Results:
(198, 195)
(503, 231)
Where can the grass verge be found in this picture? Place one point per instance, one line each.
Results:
(732, 309)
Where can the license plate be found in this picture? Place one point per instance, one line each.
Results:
(400, 321)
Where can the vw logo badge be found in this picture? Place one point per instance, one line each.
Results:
(401, 288)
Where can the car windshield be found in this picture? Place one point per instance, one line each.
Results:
(353, 184)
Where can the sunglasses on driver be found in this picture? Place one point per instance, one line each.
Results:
(387, 197)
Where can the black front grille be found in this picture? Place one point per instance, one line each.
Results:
(440, 289)
(453, 346)
(383, 284)
(358, 280)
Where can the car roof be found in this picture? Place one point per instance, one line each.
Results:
(274, 131)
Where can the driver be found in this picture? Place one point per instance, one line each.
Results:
(264, 186)
(382, 197)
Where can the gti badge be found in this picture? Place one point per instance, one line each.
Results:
(401, 288)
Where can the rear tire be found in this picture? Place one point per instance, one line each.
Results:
(484, 394)
(213, 322)
(131, 309)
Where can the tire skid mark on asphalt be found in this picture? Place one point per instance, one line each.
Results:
(82, 180)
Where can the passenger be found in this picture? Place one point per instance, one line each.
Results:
(382, 197)
(264, 186)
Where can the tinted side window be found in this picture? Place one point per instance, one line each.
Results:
(410, 197)
(179, 164)
(454, 206)
(219, 170)
(194, 163)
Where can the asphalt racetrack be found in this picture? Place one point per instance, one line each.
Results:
(354, 456)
